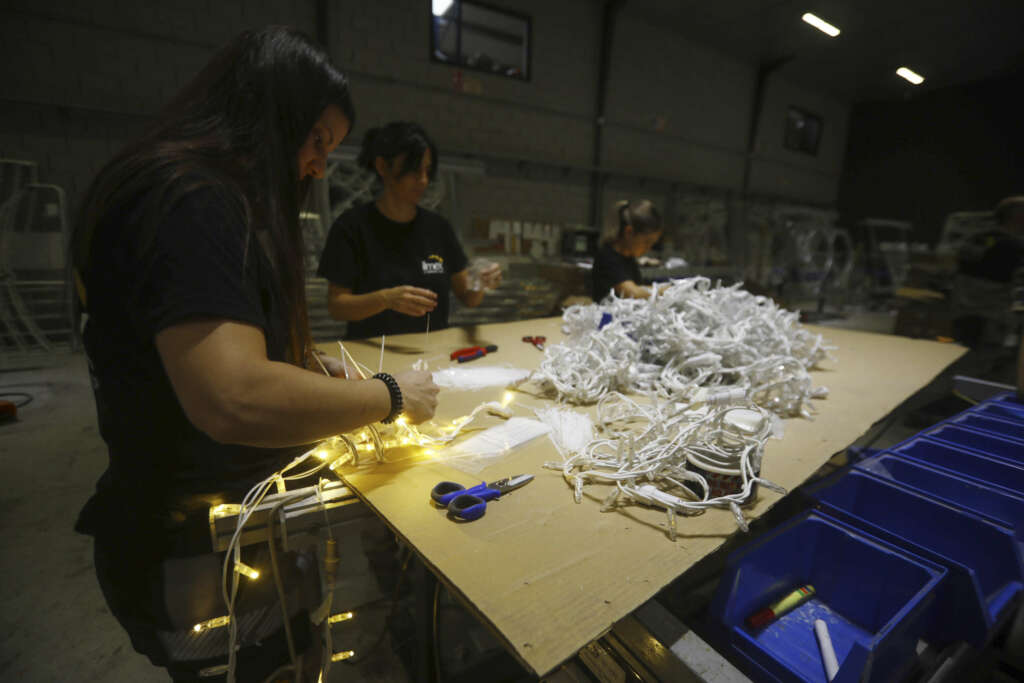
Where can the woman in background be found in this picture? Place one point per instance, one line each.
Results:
(390, 262)
(615, 266)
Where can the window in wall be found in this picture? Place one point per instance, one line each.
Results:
(803, 131)
(479, 37)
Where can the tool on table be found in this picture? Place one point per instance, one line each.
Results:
(787, 603)
(469, 504)
(536, 341)
(471, 352)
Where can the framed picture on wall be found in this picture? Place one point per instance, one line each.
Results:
(803, 131)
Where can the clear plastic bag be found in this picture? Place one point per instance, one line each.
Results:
(476, 269)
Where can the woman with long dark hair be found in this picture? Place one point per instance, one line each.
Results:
(188, 258)
(615, 266)
(391, 262)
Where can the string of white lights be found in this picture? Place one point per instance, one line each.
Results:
(666, 455)
(717, 365)
(690, 341)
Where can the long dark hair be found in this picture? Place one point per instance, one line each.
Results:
(394, 139)
(236, 128)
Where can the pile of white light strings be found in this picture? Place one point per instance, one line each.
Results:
(715, 362)
(687, 337)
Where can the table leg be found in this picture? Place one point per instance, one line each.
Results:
(426, 646)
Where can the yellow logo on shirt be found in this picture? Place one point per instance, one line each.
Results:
(433, 265)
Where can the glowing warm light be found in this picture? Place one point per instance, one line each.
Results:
(915, 78)
(216, 622)
(439, 7)
(322, 454)
(341, 656)
(344, 616)
(821, 25)
(225, 510)
(506, 398)
(246, 570)
(402, 421)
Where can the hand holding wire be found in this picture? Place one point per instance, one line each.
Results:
(409, 300)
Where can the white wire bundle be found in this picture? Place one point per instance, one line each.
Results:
(645, 451)
(688, 336)
(233, 555)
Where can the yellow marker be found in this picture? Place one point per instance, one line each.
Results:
(787, 603)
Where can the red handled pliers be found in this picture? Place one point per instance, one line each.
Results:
(536, 341)
(471, 352)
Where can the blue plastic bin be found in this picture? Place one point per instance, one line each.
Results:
(1002, 411)
(984, 559)
(874, 597)
(985, 423)
(991, 471)
(1005, 449)
(985, 501)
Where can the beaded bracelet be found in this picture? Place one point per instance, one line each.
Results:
(396, 396)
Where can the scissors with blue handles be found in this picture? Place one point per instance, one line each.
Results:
(469, 504)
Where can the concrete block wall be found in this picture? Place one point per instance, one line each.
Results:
(676, 110)
(385, 47)
(783, 172)
(82, 78)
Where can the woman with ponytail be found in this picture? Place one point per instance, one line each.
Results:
(390, 262)
(188, 258)
(615, 266)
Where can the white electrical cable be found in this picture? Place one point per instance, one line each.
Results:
(717, 364)
(688, 336)
(663, 455)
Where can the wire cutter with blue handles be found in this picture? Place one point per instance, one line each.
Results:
(469, 504)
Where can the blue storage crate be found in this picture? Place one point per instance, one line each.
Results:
(985, 423)
(990, 471)
(1005, 449)
(874, 597)
(1002, 411)
(984, 559)
(982, 500)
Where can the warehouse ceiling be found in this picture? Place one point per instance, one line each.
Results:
(949, 42)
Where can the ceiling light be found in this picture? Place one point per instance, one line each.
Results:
(821, 24)
(441, 6)
(904, 72)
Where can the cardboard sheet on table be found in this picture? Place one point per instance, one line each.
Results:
(547, 575)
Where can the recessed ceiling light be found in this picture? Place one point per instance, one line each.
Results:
(821, 24)
(441, 6)
(904, 72)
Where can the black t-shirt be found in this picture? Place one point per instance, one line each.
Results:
(366, 251)
(201, 263)
(611, 268)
